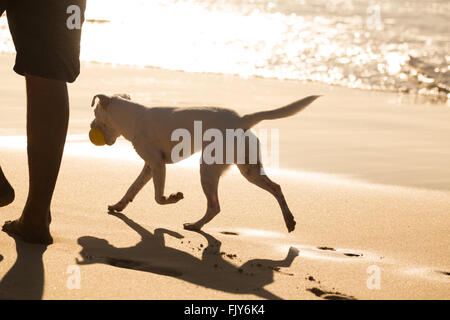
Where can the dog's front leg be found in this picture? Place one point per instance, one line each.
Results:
(159, 180)
(141, 181)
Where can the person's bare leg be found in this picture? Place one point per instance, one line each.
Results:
(47, 121)
(7, 194)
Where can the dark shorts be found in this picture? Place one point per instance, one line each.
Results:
(46, 36)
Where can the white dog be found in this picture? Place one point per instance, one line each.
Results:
(150, 131)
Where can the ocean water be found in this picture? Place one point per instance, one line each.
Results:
(388, 45)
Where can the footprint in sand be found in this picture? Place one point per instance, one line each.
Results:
(352, 254)
(329, 295)
(347, 254)
(326, 248)
(441, 275)
(428, 273)
(230, 233)
(254, 233)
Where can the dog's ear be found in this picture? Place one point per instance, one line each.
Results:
(125, 96)
(104, 100)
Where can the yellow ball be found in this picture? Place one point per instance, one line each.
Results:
(96, 136)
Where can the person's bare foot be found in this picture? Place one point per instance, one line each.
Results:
(7, 194)
(28, 233)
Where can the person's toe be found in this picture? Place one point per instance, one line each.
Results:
(9, 226)
(16, 230)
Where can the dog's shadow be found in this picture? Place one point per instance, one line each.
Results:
(211, 271)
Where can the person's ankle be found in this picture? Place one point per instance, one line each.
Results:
(33, 216)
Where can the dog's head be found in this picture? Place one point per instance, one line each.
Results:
(102, 119)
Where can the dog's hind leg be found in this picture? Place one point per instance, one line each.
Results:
(253, 173)
(210, 175)
(138, 184)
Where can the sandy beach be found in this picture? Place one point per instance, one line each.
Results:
(365, 173)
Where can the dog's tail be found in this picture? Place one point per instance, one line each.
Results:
(252, 119)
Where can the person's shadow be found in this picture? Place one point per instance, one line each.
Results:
(211, 271)
(25, 279)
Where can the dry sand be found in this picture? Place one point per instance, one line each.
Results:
(365, 174)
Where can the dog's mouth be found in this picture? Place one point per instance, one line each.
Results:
(110, 143)
(109, 140)
(99, 136)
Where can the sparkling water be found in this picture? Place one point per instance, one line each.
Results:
(389, 45)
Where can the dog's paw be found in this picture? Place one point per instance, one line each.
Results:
(293, 251)
(291, 225)
(175, 197)
(191, 227)
(118, 207)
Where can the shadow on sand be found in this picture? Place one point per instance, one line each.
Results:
(211, 271)
(25, 279)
